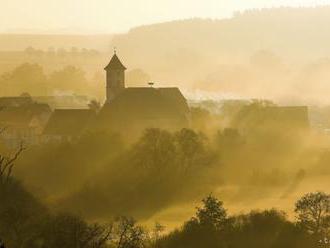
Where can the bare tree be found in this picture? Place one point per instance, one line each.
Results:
(7, 164)
(129, 234)
(97, 235)
(313, 212)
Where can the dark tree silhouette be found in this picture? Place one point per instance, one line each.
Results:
(128, 233)
(94, 105)
(212, 213)
(7, 164)
(313, 212)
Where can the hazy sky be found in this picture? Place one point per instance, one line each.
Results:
(95, 16)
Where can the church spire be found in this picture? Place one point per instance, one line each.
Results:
(115, 63)
(115, 77)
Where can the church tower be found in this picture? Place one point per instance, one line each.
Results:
(115, 76)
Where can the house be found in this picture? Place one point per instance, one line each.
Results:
(68, 124)
(272, 118)
(15, 101)
(23, 123)
(286, 116)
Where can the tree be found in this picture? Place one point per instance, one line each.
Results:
(212, 213)
(7, 164)
(313, 213)
(94, 105)
(70, 78)
(128, 234)
(200, 118)
(155, 149)
(26, 78)
(68, 231)
(229, 138)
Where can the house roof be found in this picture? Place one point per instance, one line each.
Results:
(287, 113)
(15, 101)
(69, 122)
(22, 115)
(115, 63)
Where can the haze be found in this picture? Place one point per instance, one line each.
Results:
(110, 16)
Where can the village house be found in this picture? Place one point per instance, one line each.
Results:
(68, 124)
(22, 120)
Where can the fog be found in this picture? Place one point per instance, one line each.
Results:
(253, 131)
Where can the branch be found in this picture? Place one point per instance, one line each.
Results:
(7, 163)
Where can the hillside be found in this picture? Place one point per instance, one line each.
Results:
(275, 53)
(13, 42)
(271, 52)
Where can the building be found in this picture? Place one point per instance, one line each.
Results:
(139, 108)
(128, 110)
(270, 119)
(68, 124)
(286, 116)
(23, 121)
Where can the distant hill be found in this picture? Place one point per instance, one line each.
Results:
(297, 33)
(219, 54)
(14, 42)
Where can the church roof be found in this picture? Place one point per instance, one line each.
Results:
(146, 103)
(69, 122)
(115, 63)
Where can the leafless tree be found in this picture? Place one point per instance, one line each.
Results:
(97, 235)
(129, 234)
(7, 161)
(7, 164)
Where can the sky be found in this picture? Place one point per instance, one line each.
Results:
(116, 16)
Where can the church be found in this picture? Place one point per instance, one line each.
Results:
(140, 107)
(126, 109)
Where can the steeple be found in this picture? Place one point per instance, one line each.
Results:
(115, 63)
(115, 76)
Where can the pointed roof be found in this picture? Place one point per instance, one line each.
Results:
(115, 63)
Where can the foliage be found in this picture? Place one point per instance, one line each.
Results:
(313, 213)
(165, 167)
(257, 229)
(212, 213)
(128, 234)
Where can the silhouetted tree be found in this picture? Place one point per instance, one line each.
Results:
(69, 78)
(94, 105)
(68, 231)
(26, 78)
(129, 234)
(212, 213)
(313, 213)
(7, 164)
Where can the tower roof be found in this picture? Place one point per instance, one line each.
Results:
(115, 63)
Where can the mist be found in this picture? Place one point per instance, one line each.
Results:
(233, 112)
